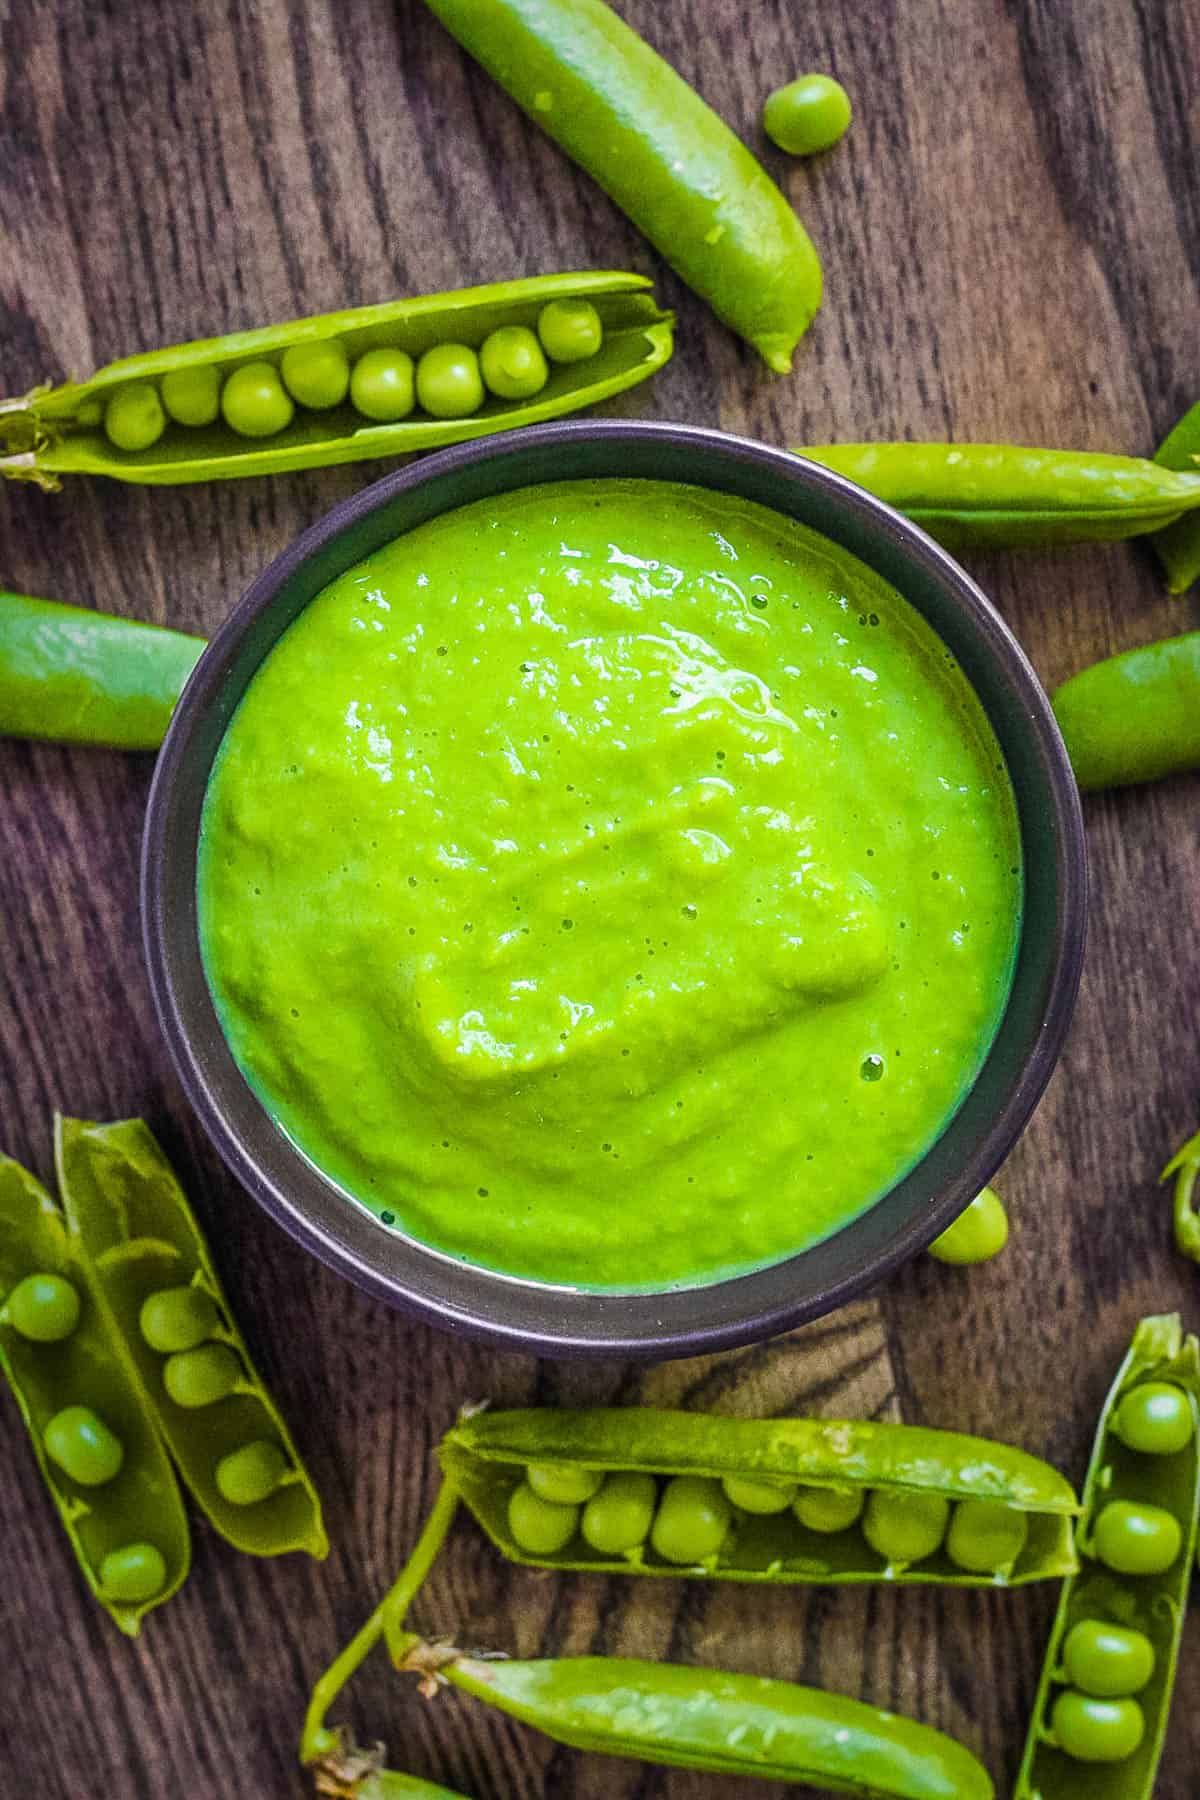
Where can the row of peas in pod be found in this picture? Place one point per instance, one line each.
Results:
(121, 1352)
(1105, 1692)
(384, 385)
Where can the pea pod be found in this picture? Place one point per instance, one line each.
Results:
(137, 1233)
(349, 1773)
(84, 677)
(140, 1507)
(58, 431)
(1184, 1166)
(1150, 1605)
(1134, 717)
(727, 1724)
(1008, 494)
(487, 1456)
(1178, 547)
(664, 157)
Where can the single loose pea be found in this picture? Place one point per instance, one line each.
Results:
(134, 418)
(133, 1573)
(618, 1516)
(513, 364)
(1107, 1660)
(381, 386)
(202, 1376)
(540, 1526)
(1155, 1419)
(570, 330)
(177, 1318)
(692, 1519)
(1137, 1540)
(255, 402)
(759, 1496)
(449, 385)
(1096, 1731)
(808, 115)
(905, 1528)
(192, 396)
(978, 1233)
(44, 1308)
(83, 1446)
(317, 375)
(985, 1536)
(250, 1474)
(829, 1509)
(565, 1483)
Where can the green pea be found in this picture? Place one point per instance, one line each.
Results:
(978, 1233)
(202, 1376)
(1154, 1419)
(317, 375)
(381, 386)
(512, 363)
(91, 412)
(255, 402)
(808, 115)
(828, 1510)
(449, 385)
(618, 1517)
(570, 330)
(985, 1536)
(692, 1520)
(1107, 1660)
(192, 396)
(83, 1446)
(565, 1483)
(542, 1527)
(1137, 1540)
(1096, 1731)
(251, 1474)
(178, 1318)
(43, 1308)
(905, 1528)
(133, 1573)
(134, 418)
(759, 1496)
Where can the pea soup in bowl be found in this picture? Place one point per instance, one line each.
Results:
(617, 888)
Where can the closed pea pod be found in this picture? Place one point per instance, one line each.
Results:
(828, 1469)
(666, 159)
(1102, 1705)
(1134, 717)
(1014, 494)
(142, 1244)
(92, 1432)
(59, 431)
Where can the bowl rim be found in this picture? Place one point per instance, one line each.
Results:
(669, 1323)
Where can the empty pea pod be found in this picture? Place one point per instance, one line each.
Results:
(92, 1432)
(1105, 1691)
(150, 1266)
(826, 1471)
(1014, 495)
(57, 431)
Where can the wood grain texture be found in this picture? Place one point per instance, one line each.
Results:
(1011, 237)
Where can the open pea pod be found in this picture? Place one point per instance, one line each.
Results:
(1147, 1608)
(59, 431)
(139, 1238)
(486, 1457)
(141, 1504)
(709, 1719)
(1013, 495)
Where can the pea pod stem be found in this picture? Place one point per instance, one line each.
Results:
(1178, 546)
(1185, 1167)
(318, 1740)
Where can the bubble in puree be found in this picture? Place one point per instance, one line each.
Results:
(614, 884)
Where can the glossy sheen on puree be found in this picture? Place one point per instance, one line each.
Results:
(612, 883)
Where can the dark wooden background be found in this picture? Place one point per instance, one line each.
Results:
(1011, 237)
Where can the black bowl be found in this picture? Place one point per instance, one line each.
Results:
(557, 1321)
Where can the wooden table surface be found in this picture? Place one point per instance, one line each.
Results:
(1011, 238)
